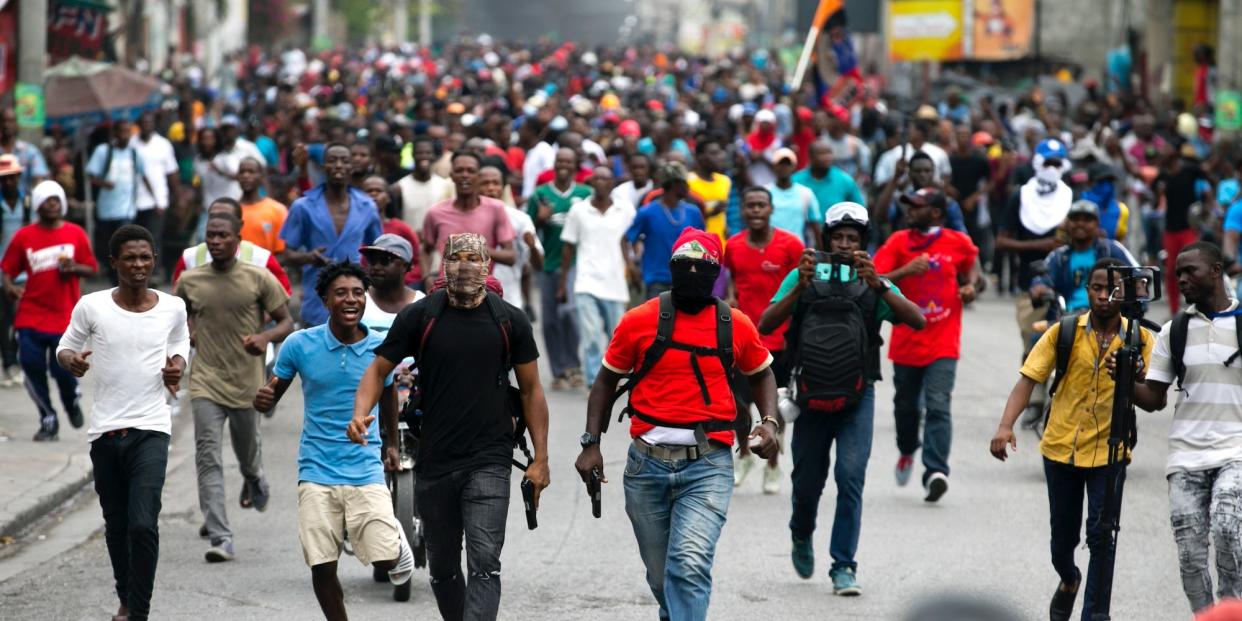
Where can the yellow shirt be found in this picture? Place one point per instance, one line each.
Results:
(1082, 409)
(715, 194)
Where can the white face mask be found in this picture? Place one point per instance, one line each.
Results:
(1047, 178)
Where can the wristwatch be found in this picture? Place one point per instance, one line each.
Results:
(588, 439)
(885, 284)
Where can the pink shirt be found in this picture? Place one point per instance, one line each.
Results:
(487, 219)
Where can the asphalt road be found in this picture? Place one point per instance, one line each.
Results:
(987, 538)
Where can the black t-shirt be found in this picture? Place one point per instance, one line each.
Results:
(466, 419)
(1013, 226)
(968, 171)
(1179, 192)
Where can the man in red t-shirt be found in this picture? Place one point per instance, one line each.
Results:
(758, 260)
(55, 255)
(678, 474)
(935, 268)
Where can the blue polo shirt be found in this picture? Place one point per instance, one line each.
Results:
(330, 374)
(309, 226)
(658, 227)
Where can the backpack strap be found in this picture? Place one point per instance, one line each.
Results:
(1067, 330)
(500, 315)
(664, 336)
(1237, 326)
(1177, 345)
(435, 307)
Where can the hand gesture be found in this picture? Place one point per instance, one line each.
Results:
(78, 365)
(318, 258)
(537, 473)
(172, 375)
(769, 445)
(357, 429)
(919, 265)
(265, 399)
(1002, 438)
(255, 344)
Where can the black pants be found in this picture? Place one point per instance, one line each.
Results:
(473, 504)
(8, 337)
(129, 478)
(103, 234)
(1066, 484)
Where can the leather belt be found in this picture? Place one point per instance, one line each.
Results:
(680, 452)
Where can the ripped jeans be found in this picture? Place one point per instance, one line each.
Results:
(473, 503)
(1202, 503)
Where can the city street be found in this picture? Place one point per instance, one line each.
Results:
(987, 538)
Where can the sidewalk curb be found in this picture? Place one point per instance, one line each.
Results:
(76, 475)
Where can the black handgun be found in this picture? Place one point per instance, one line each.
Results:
(593, 488)
(528, 498)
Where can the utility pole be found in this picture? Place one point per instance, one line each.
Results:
(424, 23)
(32, 29)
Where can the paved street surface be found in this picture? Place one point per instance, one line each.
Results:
(988, 537)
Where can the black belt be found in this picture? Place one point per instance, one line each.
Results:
(666, 452)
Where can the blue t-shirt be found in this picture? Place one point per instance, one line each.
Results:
(658, 227)
(309, 226)
(124, 172)
(1080, 262)
(330, 374)
(837, 186)
(793, 207)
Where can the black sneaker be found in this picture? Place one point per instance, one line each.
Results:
(259, 494)
(202, 531)
(1062, 606)
(46, 435)
(75, 416)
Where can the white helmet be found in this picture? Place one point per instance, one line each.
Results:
(846, 212)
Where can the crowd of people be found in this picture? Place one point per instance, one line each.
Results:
(729, 245)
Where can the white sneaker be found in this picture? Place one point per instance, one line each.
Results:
(741, 468)
(404, 569)
(772, 480)
(937, 485)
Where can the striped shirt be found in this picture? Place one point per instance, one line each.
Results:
(1206, 431)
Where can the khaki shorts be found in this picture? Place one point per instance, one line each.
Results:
(327, 512)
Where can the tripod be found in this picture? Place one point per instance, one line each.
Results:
(1134, 282)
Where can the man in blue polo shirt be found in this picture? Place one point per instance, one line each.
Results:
(329, 223)
(828, 183)
(657, 226)
(341, 488)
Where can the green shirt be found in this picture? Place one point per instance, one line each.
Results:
(550, 231)
(823, 271)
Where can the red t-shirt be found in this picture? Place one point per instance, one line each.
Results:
(50, 296)
(935, 292)
(399, 228)
(670, 391)
(758, 273)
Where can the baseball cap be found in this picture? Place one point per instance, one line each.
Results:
(924, 197)
(785, 153)
(456, 107)
(391, 244)
(1086, 207)
(629, 127)
(9, 165)
(981, 139)
(926, 113)
(694, 244)
(1100, 171)
(230, 119)
(765, 116)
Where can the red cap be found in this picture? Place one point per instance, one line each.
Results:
(698, 245)
(655, 104)
(629, 127)
(804, 114)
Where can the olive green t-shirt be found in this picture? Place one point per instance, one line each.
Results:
(224, 306)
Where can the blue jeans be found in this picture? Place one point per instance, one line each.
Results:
(473, 504)
(813, 435)
(934, 384)
(560, 334)
(677, 509)
(1066, 484)
(37, 354)
(596, 320)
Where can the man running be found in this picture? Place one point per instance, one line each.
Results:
(678, 476)
(262, 216)
(935, 267)
(247, 252)
(758, 259)
(341, 487)
(226, 302)
(136, 340)
(55, 255)
(465, 339)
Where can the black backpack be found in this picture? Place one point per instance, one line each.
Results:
(1177, 343)
(833, 345)
(499, 310)
(664, 342)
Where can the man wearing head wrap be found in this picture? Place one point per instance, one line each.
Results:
(55, 255)
(679, 475)
(465, 339)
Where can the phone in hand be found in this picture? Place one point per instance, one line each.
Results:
(593, 488)
(528, 499)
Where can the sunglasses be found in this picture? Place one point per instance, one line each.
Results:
(1052, 162)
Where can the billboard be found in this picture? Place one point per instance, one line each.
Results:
(1002, 29)
(925, 30)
